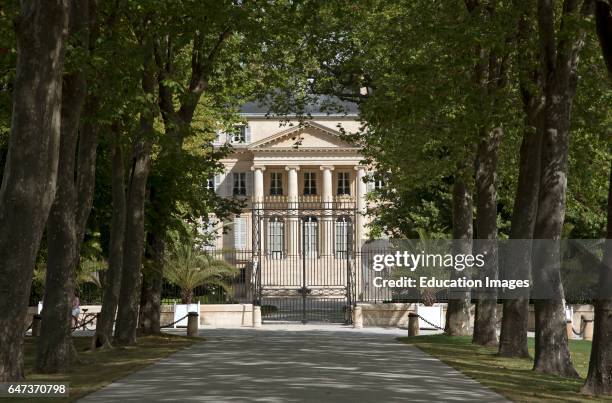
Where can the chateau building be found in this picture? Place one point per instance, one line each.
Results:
(276, 163)
(304, 191)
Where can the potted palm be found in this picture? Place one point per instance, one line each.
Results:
(187, 266)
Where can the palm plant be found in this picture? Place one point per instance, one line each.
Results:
(188, 267)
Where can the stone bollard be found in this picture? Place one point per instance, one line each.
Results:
(413, 324)
(256, 316)
(192, 324)
(588, 329)
(569, 328)
(36, 325)
(358, 317)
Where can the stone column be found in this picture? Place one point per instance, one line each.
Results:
(258, 198)
(360, 205)
(327, 229)
(292, 219)
(258, 185)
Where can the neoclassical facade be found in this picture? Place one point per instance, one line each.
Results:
(276, 165)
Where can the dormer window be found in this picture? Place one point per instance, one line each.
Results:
(240, 135)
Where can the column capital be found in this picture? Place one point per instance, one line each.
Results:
(292, 168)
(326, 167)
(359, 167)
(258, 167)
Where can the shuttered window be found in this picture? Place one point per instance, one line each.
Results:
(310, 183)
(344, 184)
(342, 237)
(276, 238)
(311, 236)
(276, 184)
(240, 233)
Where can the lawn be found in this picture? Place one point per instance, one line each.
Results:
(97, 369)
(512, 378)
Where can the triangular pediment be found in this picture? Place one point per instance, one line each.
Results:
(309, 136)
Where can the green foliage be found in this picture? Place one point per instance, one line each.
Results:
(188, 267)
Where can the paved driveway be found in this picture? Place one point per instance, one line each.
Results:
(285, 365)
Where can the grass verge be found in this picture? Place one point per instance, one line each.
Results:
(97, 369)
(510, 377)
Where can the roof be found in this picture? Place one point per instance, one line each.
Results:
(334, 140)
(322, 105)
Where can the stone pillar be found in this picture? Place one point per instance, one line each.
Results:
(358, 317)
(327, 224)
(258, 185)
(256, 316)
(292, 219)
(258, 198)
(192, 324)
(360, 205)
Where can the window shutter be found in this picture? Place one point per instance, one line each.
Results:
(229, 183)
(247, 134)
(249, 183)
(217, 182)
(240, 240)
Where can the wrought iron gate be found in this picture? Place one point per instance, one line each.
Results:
(304, 260)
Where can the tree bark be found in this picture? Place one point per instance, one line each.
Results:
(559, 63)
(129, 294)
(599, 378)
(106, 320)
(177, 123)
(459, 302)
(485, 321)
(513, 337)
(150, 304)
(30, 172)
(55, 351)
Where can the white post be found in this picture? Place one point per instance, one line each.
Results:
(258, 179)
(256, 316)
(358, 317)
(360, 201)
(328, 198)
(292, 219)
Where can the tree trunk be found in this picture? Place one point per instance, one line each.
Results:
(150, 304)
(30, 172)
(485, 321)
(106, 320)
(55, 352)
(599, 378)
(513, 338)
(559, 62)
(459, 303)
(129, 294)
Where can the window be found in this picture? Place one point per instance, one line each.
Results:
(379, 184)
(310, 183)
(239, 188)
(240, 233)
(311, 234)
(210, 182)
(276, 184)
(344, 185)
(241, 135)
(276, 237)
(343, 227)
